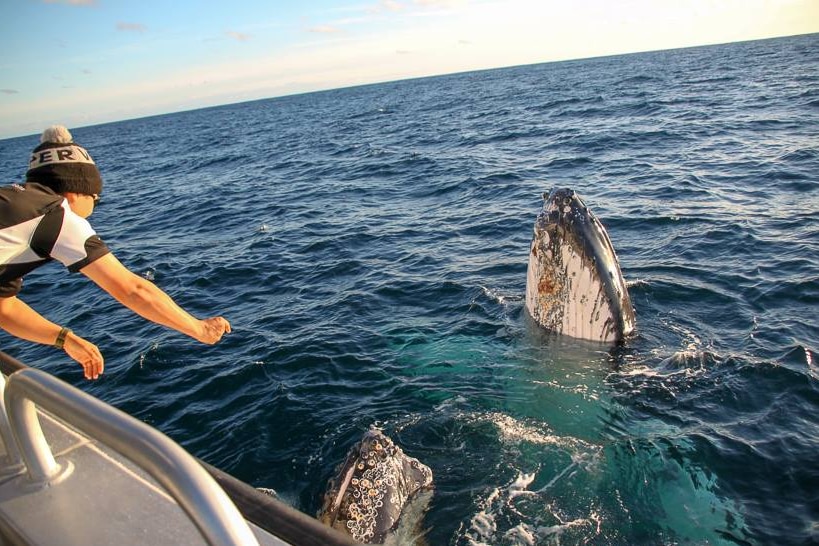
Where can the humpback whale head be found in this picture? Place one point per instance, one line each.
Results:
(574, 285)
(371, 489)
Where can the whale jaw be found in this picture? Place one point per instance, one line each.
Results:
(574, 285)
(370, 490)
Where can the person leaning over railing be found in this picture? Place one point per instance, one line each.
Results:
(45, 219)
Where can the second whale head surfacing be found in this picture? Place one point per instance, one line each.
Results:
(574, 285)
(372, 496)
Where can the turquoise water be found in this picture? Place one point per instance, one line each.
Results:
(369, 246)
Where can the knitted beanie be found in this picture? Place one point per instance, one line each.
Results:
(63, 165)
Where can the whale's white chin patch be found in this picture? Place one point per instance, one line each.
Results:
(587, 309)
(571, 301)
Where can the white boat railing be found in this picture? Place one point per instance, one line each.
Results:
(13, 463)
(178, 472)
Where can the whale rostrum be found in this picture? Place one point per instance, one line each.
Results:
(574, 285)
(372, 488)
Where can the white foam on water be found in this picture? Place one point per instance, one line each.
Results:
(500, 296)
(483, 525)
(520, 534)
(521, 483)
(528, 535)
(813, 368)
(526, 531)
(553, 533)
(640, 370)
(517, 514)
(513, 431)
(690, 360)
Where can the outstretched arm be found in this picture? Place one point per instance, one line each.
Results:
(20, 320)
(147, 300)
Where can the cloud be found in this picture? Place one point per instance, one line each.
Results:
(72, 2)
(9, 91)
(131, 27)
(391, 5)
(239, 36)
(324, 29)
(441, 3)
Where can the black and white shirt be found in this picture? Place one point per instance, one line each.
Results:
(36, 226)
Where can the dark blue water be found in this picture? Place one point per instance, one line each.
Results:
(369, 246)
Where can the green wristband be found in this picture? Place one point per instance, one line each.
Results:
(60, 342)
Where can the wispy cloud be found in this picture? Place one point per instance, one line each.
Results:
(131, 27)
(72, 2)
(238, 36)
(9, 91)
(441, 3)
(391, 5)
(324, 29)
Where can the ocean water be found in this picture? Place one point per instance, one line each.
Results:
(369, 246)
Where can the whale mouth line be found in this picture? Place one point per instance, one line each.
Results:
(341, 490)
(574, 284)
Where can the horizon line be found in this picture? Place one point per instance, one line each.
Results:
(408, 79)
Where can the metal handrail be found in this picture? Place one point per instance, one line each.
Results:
(207, 505)
(13, 463)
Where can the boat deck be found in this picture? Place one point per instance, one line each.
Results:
(103, 499)
(75, 471)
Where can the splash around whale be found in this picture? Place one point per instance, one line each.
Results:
(574, 285)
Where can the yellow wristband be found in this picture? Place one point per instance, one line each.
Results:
(61, 337)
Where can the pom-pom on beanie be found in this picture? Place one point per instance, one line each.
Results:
(63, 165)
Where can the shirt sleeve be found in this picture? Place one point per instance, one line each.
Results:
(77, 244)
(10, 287)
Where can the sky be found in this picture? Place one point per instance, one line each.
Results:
(83, 62)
